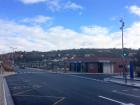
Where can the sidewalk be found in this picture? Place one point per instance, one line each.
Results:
(1, 90)
(120, 80)
(3, 87)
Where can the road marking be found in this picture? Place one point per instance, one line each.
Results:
(121, 103)
(33, 87)
(22, 92)
(125, 90)
(27, 72)
(60, 99)
(39, 96)
(87, 78)
(19, 87)
(122, 93)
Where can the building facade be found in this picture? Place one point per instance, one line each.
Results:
(106, 65)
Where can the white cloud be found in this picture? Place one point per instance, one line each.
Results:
(31, 1)
(134, 9)
(37, 20)
(72, 5)
(31, 38)
(94, 30)
(56, 5)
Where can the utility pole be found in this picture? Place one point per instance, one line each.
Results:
(123, 58)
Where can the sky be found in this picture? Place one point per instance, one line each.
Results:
(44, 25)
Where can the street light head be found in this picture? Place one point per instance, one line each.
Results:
(121, 20)
(122, 24)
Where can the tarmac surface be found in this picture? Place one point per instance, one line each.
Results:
(44, 88)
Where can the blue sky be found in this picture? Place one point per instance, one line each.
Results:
(73, 18)
(97, 12)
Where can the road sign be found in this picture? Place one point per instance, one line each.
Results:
(125, 53)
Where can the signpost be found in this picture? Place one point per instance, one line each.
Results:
(123, 54)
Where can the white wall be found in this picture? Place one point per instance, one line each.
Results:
(108, 68)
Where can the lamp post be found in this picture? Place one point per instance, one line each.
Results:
(123, 58)
(13, 56)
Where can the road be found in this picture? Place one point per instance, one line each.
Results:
(44, 88)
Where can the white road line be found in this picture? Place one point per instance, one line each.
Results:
(122, 93)
(33, 87)
(22, 92)
(87, 78)
(119, 102)
(59, 101)
(19, 87)
(125, 90)
(39, 96)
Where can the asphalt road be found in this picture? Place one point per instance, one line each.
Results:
(43, 88)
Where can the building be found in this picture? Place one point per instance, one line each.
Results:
(94, 64)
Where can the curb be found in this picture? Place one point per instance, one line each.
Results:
(127, 78)
(123, 84)
(8, 100)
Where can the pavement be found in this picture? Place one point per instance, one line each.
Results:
(45, 88)
(1, 87)
(4, 91)
(120, 80)
(1, 90)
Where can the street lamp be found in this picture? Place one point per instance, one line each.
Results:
(13, 56)
(123, 58)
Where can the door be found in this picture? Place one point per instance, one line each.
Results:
(100, 67)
